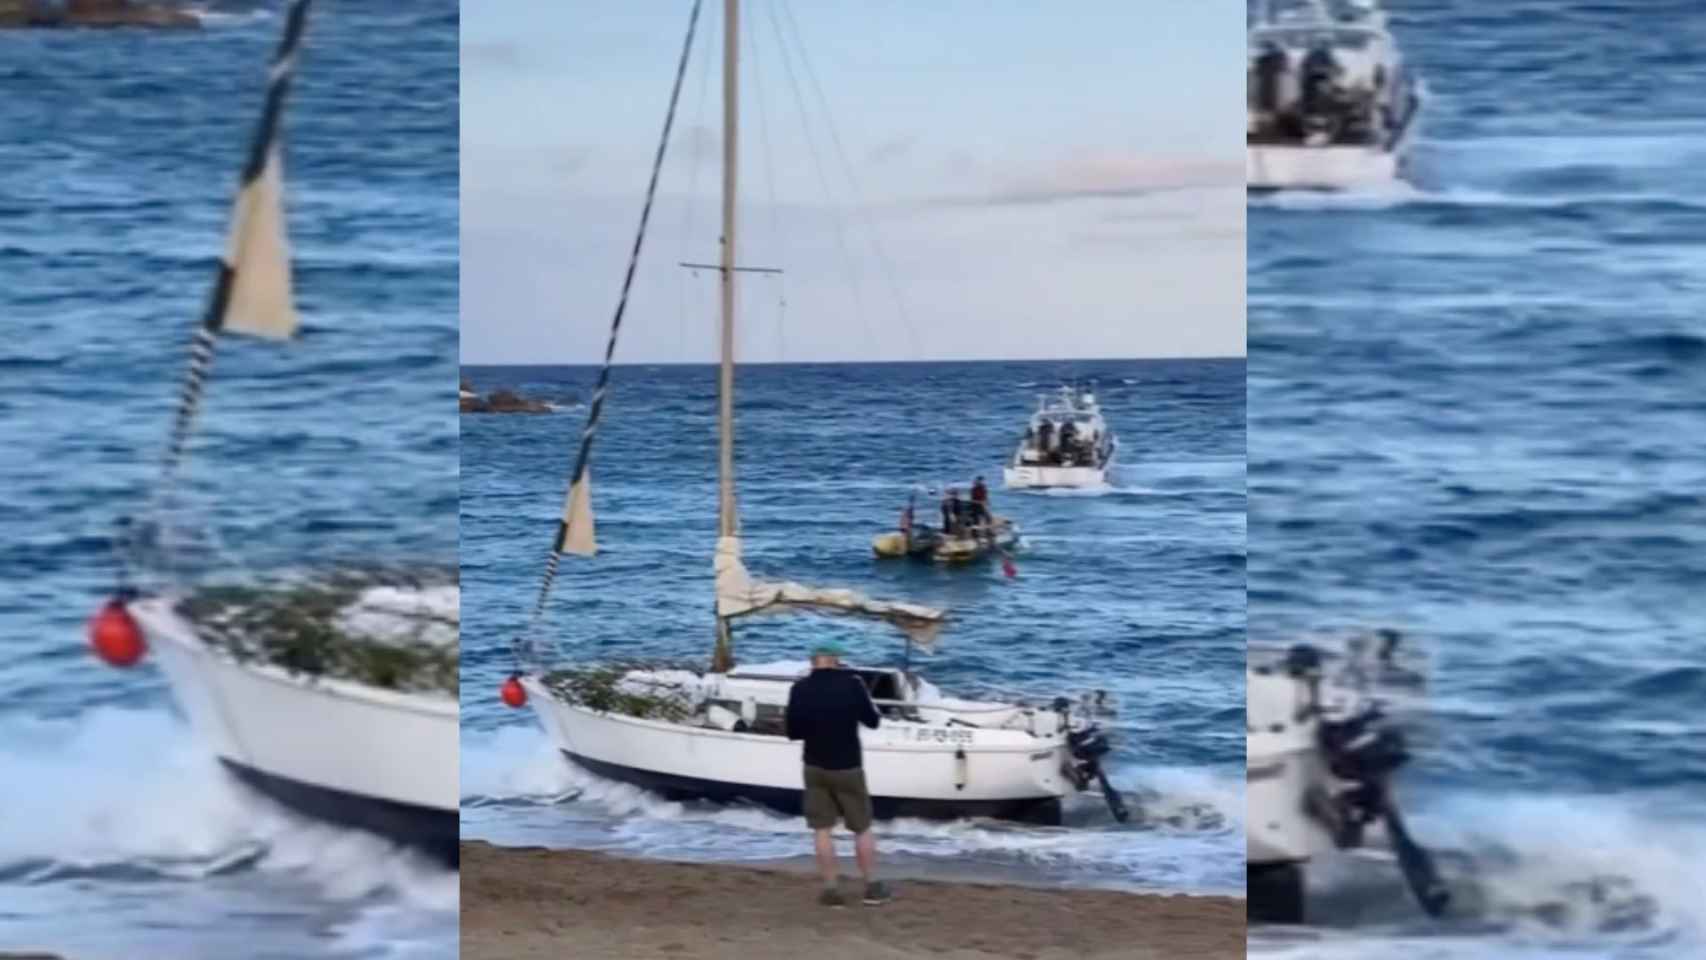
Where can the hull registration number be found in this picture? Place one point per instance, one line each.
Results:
(935, 735)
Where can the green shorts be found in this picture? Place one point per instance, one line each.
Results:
(837, 795)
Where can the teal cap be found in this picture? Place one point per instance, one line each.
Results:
(829, 648)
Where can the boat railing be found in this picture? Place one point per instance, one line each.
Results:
(952, 708)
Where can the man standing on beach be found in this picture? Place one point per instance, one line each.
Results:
(825, 709)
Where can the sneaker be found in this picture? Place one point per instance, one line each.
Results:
(877, 893)
(831, 897)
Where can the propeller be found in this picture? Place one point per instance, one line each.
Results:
(1364, 751)
(1415, 862)
(1088, 746)
(1116, 803)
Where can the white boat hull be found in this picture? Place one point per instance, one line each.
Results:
(1027, 476)
(365, 757)
(1273, 167)
(1278, 827)
(1037, 477)
(1282, 764)
(1318, 168)
(938, 772)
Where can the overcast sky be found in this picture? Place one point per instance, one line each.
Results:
(1026, 182)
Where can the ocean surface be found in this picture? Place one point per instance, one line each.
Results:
(1477, 404)
(119, 835)
(1137, 587)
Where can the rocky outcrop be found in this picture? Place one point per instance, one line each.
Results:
(499, 401)
(48, 14)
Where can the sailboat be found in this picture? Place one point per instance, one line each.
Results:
(718, 734)
(341, 749)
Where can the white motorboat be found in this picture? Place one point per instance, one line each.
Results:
(1066, 444)
(1320, 758)
(332, 748)
(1331, 104)
(718, 734)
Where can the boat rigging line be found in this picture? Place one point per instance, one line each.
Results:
(860, 206)
(257, 190)
(522, 648)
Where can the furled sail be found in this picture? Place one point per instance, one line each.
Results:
(259, 302)
(252, 293)
(576, 533)
(738, 594)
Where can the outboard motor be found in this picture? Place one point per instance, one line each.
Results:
(1271, 65)
(1088, 746)
(1364, 752)
(1319, 96)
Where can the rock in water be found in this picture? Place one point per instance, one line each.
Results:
(49, 14)
(499, 401)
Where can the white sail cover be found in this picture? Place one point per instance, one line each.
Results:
(259, 258)
(738, 594)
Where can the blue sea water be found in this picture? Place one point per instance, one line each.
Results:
(1137, 588)
(119, 835)
(1476, 415)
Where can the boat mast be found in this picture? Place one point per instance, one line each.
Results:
(728, 524)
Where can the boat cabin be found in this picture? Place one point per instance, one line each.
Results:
(1322, 73)
(758, 696)
(1065, 431)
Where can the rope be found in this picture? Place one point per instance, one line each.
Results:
(692, 191)
(770, 187)
(859, 205)
(822, 176)
(523, 646)
(279, 76)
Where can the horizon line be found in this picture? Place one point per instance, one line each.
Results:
(783, 363)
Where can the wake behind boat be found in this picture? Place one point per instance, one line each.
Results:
(1331, 104)
(716, 733)
(1066, 444)
(336, 697)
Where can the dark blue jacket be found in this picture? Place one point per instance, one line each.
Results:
(825, 708)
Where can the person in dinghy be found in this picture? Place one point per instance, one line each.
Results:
(969, 530)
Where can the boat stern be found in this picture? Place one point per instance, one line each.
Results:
(1273, 168)
(1031, 477)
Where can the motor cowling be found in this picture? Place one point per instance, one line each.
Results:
(1364, 753)
(1088, 745)
(1363, 748)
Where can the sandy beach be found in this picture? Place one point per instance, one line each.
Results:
(520, 903)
